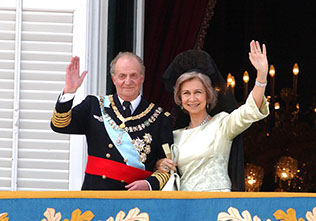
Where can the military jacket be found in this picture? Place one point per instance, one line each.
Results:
(109, 135)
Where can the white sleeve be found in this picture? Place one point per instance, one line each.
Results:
(150, 188)
(63, 98)
(242, 118)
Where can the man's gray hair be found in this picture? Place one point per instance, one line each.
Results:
(127, 54)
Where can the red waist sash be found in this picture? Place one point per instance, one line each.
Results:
(115, 170)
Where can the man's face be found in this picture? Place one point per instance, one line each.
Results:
(127, 78)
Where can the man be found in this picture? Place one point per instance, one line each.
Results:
(125, 134)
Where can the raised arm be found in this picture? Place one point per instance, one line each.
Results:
(259, 60)
(73, 79)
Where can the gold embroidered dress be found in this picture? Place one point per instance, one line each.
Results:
(204, 150)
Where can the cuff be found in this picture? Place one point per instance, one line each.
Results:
(63, 98)
(158, 179)
(261, 112)
(149, 185)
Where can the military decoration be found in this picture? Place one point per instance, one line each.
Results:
(139, 145)
(118, 140)
(147, 138)
(142, 146)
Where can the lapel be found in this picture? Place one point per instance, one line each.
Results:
(118, 103)
(141, 107)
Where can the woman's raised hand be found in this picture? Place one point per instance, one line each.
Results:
(259, 60)
(73, 79)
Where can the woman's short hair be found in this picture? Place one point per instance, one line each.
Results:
(211, 93)
(127, 54)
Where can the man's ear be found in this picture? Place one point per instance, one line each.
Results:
(113, 79)
(143, 78)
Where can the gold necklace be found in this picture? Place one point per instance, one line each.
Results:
(122, 126)
(123, 119)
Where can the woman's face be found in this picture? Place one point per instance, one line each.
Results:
(193, 96)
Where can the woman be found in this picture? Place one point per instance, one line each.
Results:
(205, 142)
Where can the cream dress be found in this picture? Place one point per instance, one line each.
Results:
(204, 150)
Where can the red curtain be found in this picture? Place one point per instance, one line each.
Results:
(170, 28)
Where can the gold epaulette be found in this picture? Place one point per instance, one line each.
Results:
(61, 120)
(162, 177)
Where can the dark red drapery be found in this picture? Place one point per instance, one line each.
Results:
(170, 28)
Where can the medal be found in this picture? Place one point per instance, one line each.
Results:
(118, 140)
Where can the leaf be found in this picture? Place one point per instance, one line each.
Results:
(88, 215)
(223, 216)
(292, 213)
(49, 213)
(76, 215)
(120, 216)
(280, 215)
(289, 216)
(246, 215)
(132, 215)
(3, 217)
(51, 216)
(235, 213)
(311, 216)
(256, 218)
(141, 216)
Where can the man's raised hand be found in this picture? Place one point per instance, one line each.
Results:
(73, 79)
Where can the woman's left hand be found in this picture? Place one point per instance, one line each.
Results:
(259, 59)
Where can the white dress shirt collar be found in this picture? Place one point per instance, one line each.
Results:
(134, 103)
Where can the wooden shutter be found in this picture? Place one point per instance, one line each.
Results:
(42, 156)
(7, 56)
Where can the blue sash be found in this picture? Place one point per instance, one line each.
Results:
(126, 149)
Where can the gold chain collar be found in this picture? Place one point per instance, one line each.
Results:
(120, 116)
(123, 119)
